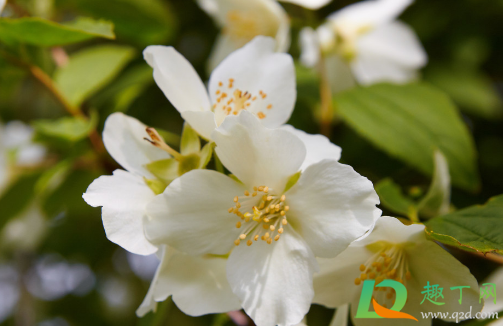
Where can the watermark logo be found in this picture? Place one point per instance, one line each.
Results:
(380, 311)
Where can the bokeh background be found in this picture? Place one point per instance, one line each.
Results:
(62, 270)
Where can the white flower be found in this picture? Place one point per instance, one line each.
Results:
(399, 252)
(273, 233)
(2, 5)
(363, 42)
(242, 20)
(125, 194)
(198, 285)
(253, 78)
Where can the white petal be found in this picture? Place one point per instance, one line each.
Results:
(370, 13)
(16, 134)
(202, 122)
(123, 197)
(177, 79)
(256, 155)
(198, 285)
(273, 282)
(149, 304)
(370, 69)
(395, 41)
(390, 229)
(2, 5)
(340, 75)
(428, 262)
(223, 46)
(310, 47)
(318, 147)
(334, 285)
(331, 205)
(341, 316)
(309, 4)
(257, 68)
(497, 278)
(124, 140)
(191, 215)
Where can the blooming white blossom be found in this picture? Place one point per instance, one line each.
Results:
(272, 226)
(364, 43)
(253, 78)
(395, 251)
(242, 20)
(124, 196)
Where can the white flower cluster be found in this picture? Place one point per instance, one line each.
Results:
(289, 225)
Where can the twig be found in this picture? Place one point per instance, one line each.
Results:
(327, 110)
(48, 83)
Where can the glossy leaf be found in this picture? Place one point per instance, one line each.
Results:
(91, 69)
(392, 198)
(410, 122)
(476, 228)
(42, 32)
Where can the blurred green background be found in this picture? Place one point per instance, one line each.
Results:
(73, 275)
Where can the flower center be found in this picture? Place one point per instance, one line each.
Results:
(231, 100)
(389, 262)
(243, 26)
(265, 221)
(347, 35)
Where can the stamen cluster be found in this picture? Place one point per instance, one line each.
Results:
(266, 219)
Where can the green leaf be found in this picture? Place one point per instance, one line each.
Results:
(91, 69)
(410, 122)
(120, 94)
(143, 22)
(471, 90)
(206, 154)
(476, 228)
(190, 141)
(438, 198)
(42, 32)
(53, 177)
(70, 129)
(17, 197)
(166, 170)
(392, 198)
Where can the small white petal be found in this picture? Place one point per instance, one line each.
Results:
(428, 262)
(310, 47)
(334, 285)
(124, 140)
(370, 69)
(177, 79)
(256, 68)
(395, 41)
(370, 13)
(256, 155)
(198, 285)
(202, 122)
(191, 215)
(223, 46)
(331, 206)
(318, 147)
(390, 229)
(309, 4)
(274, 282)
(149, 304)
(123, 197)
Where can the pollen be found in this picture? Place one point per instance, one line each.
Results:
(265, 219)
(388, 262)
